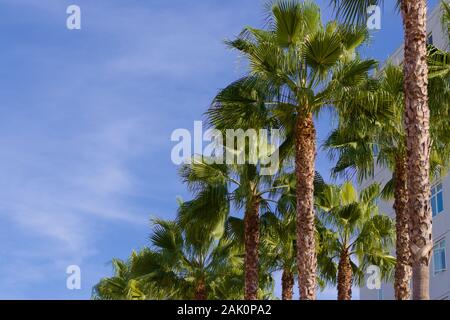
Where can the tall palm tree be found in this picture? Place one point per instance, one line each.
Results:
(300, 65)
(417, 120)
(381, 141)
(217, 188)
(353, 229)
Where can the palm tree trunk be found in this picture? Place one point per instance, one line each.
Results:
(403, 266)
(251, 234)
(287, 284)
(417, 120)
(305, 156)
(345, 277)
(200, 291)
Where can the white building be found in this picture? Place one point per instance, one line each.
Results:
(440, 200)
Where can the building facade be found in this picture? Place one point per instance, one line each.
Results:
(440, 199)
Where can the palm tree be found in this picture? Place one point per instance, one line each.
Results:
(278, 242)
(217, 187)
(297, 66)
(417, 120)
(183, 262)
(125, 283)
(279, 237)
(188, 264)
(356, 145)
(351, 227)
(278, 246)
(267, 262)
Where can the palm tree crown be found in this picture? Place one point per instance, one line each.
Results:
(352, 228)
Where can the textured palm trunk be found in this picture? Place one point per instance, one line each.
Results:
(305, 156)
(200, 291)
(287, 284)
(251, 230)
(403, 266)
(345, 277)
(417, 121)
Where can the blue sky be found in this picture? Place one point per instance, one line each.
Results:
(86, 119)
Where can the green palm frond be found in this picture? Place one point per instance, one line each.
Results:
(354, 11)
(388, 191)
(438, 62)
(323, 51)
(291, 20)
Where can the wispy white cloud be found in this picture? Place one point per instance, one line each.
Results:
(69, 141)
(59, 192)
(57, 200)
(86, 122)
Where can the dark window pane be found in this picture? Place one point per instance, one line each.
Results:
(440, 202)
(433, 206)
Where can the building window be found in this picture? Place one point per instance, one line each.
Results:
(439, 258)
(437, 199)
